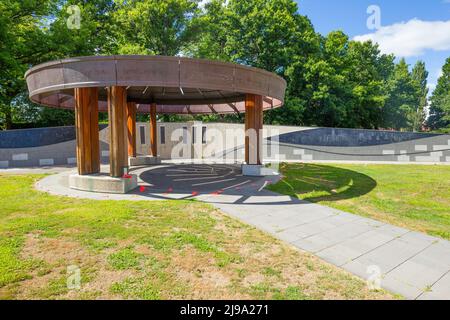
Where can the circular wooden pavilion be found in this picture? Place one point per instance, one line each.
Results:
(126, 85)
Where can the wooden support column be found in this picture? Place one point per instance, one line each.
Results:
(153, 131)
(253, 129)
(131, 125)
(117, 112)
(86, 124)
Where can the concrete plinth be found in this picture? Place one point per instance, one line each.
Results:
(144, 161)
(103, 183)
(254, 170)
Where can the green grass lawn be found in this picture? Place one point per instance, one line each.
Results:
(412, 196)
(149, 250)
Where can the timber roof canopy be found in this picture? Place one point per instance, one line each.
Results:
(177, 85)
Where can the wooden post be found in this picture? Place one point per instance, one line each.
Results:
(117, 111)
(131, 125)
(86, 124)
(153, 131)
(253, 129)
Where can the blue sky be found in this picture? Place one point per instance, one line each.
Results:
(415, 29)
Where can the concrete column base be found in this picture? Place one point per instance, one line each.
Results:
(143, 161)
(103, 183)
(254, 170)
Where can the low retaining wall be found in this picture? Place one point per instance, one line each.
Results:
(436, 150)
(61, 153)
(330, 144)
(337, 137)
(294, 144)
(38, 137)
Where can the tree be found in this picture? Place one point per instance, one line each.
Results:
(22, 28)
(341, 83)
(332, 81)
(213, 25)
(440, 101)
(268, 34)
(400, 109)
(153, 26)
(369, 71)
(91, 37)
(419, 76)
(37, 31)
(327, 85)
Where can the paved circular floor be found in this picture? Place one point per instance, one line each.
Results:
(206, 182)
(197, 178)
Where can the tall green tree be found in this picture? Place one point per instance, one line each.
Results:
(268, 34)
(91, 37)
(23, 42)
(47, 36)
(332, 81)
(153, 26)
(440, 101)
(327, 86)
(214, 25)
(400, 109)
(341, 84)
(419, 76)
(259, 33)
(369, 71)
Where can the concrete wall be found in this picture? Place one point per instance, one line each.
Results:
(336, 137)
(295, 144)
(220, 139)
(63, 153)
(37, 137)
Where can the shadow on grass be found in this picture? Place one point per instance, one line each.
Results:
(316, 183)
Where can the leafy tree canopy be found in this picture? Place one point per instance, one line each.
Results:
(440, 100)
(332, 81)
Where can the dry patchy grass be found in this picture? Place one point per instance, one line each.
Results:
(150, 250)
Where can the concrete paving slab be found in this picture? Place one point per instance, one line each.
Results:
(389, 256)
(422, 271)
(311, 228)
(331, 237)
(352, 248)
(412, 278)
(305, 230)
(407, 290)
(436, 256)
(368, 222)
(439, 291)
(292, 216)
(267, 199)
(220, 198)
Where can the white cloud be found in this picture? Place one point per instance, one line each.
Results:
(412, 38)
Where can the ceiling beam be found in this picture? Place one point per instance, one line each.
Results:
(232, 105)
(211, 107)
(64, 99)
(269, 101)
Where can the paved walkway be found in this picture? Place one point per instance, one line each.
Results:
(412, 264)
